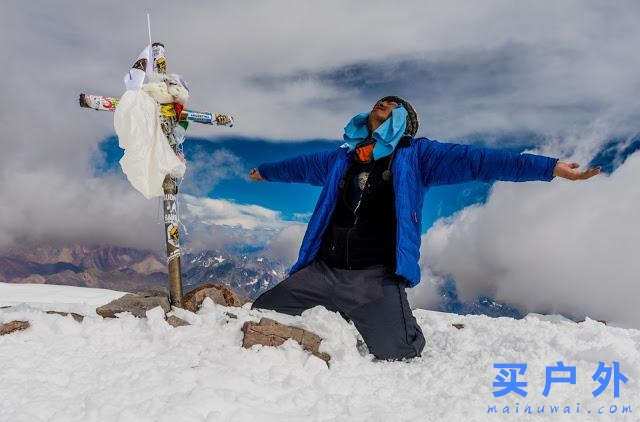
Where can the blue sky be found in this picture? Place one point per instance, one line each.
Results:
(294, 200)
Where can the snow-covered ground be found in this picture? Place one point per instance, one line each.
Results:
(82, 300)
(129, 369)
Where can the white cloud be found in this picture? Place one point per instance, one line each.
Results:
(576, 57)
(44, 205)
(567, 247)
(205, 169)
(222, 212)
(220, 223)
(284, 247)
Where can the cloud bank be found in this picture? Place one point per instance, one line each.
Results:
(205, 169)
(562, 247)
(221, 224)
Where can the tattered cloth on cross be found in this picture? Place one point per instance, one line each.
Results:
(148, 157)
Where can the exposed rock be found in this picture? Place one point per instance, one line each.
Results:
(219, 293)
(150, 265)
(32, 279)
(10, 327)
(271, 333)
(458, 325)
(601, 321)
(75, 316)
(160, 291)
(137, 304)
(174, 321)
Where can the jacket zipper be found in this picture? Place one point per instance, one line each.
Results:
(355, 220)
(346, 249)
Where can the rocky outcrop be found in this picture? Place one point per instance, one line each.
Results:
(219, 293)
(601, 321)
(137, 304)
(174, 321)
(75, 316)
(32, 279)
(271, 333)
(10, 327)
(149, 265)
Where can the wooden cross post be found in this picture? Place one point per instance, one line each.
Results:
(169, 117)
(170, 188)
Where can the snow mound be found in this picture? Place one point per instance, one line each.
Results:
(82, 300)
(130, 369)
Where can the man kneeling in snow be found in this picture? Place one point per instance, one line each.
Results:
(362, 243)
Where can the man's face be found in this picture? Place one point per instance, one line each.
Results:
(381, 111)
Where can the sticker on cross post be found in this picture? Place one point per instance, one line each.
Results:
(173, 236)
(171, 219)
(170, 207)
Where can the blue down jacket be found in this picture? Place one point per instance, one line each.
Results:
(416, 167)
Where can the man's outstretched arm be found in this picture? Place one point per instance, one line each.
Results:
(444, 163)
(310, 168)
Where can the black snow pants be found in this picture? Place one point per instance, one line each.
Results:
(373, 298)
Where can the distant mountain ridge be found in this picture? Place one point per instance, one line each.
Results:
(249, 273)
(131, 269)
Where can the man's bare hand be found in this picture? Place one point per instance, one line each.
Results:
(568, 171)
(254, 175)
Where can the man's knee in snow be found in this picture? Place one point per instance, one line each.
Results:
(263, 301)
(396, 354)
(398, 351)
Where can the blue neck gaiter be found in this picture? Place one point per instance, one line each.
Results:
(387, 135)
